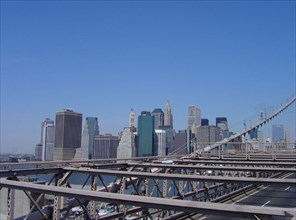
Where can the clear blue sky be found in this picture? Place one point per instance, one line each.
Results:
(102, 58)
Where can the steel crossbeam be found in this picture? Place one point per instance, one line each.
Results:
(28, 172)
(235, 163)
(203, 167)
(158, 203)
(182, 177)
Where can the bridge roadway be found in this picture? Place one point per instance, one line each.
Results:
(267, 196)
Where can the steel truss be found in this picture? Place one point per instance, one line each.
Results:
(153, 189)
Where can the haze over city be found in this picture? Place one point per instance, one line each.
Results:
(103, 58)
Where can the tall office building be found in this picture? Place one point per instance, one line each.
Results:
(160, 142)
(38, 152)
(204, 121)
(170, 133)
(207, 135)
(158, 118)
(132, 119)
(180, 143)
(168, 116)
(47, 140)
(67, 134)
(145, 140)
(194, 116)
(222, 123)
(46, 121)
(90, 130)
(254, 134)
(126, 147)
(105, 146)
(278, 133)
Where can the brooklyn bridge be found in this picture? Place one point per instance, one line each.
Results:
(212, 183)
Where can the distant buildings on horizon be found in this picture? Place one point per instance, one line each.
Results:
(152, 135)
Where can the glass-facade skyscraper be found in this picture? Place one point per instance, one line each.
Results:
(278, 133)
(145, 140)
(90, 130)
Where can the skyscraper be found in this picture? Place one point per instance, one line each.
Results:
(160, 142)
(145, 143)
(47, 139)
(67, 134)
(254, 134)
(207, 135)
(38, 152)
(278, 133)
(90, 130)
(48, 142)
(105, 146)
(168, 116)
(126, 147)
(132, 118)
(204, 121)
(222, 123)
(158, 118)
(194, 116)
(180, 144)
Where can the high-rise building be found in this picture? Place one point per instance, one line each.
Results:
(90, 130)
(278, 133)
(126, 147)
(105, 146)
(207, 135)
(222, 123)
(46, 121)
(254, 134)
(169, 133)
(67, 134)
(38, 152)
(132, 118)
(158, 118)
(47, 139)
(180, 143)
(145, 140)
(194, 116)
(204, 121)
(160, 142)
(48, 142)
(168, 116)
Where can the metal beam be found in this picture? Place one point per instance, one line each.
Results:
(27, 172)
(220, 179)
(231, 162)
(202, 167)
(158, 203)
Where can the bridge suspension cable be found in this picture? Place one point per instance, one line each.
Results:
(248, 130)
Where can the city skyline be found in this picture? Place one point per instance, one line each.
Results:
(100, 58)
